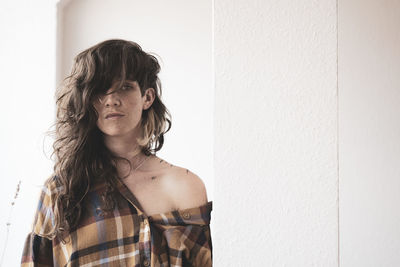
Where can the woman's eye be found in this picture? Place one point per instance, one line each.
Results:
(126, 87)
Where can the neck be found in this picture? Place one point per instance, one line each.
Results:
(126, 148)
(122, 148)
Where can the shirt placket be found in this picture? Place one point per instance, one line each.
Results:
(144, 233)
(145, 240)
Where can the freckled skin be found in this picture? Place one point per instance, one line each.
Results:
(170, 165)
(161, 161)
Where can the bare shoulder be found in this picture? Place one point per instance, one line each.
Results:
(187, 189)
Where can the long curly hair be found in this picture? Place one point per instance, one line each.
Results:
(81, 156)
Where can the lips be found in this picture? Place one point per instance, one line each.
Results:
(114, 115)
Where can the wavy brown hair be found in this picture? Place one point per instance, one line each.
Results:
(81, 156)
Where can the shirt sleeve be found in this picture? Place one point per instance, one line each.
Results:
(38, 249)
(182, 237)
(200, 245)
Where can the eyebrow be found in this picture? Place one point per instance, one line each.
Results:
(128, 81)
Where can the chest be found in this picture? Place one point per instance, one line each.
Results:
(151, 192)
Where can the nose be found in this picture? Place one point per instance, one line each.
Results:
(111, 99)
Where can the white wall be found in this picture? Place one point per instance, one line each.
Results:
(27, 67)
(369, 133)
(275, 133)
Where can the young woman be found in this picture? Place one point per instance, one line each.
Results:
(111, 201)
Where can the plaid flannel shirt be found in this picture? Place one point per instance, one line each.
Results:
(123, 237)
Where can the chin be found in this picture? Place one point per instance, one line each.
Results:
(113, 132)
(117, 132)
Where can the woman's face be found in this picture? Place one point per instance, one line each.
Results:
(120, 110)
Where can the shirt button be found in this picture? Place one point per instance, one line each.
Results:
(146, 262)
(186, 215)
